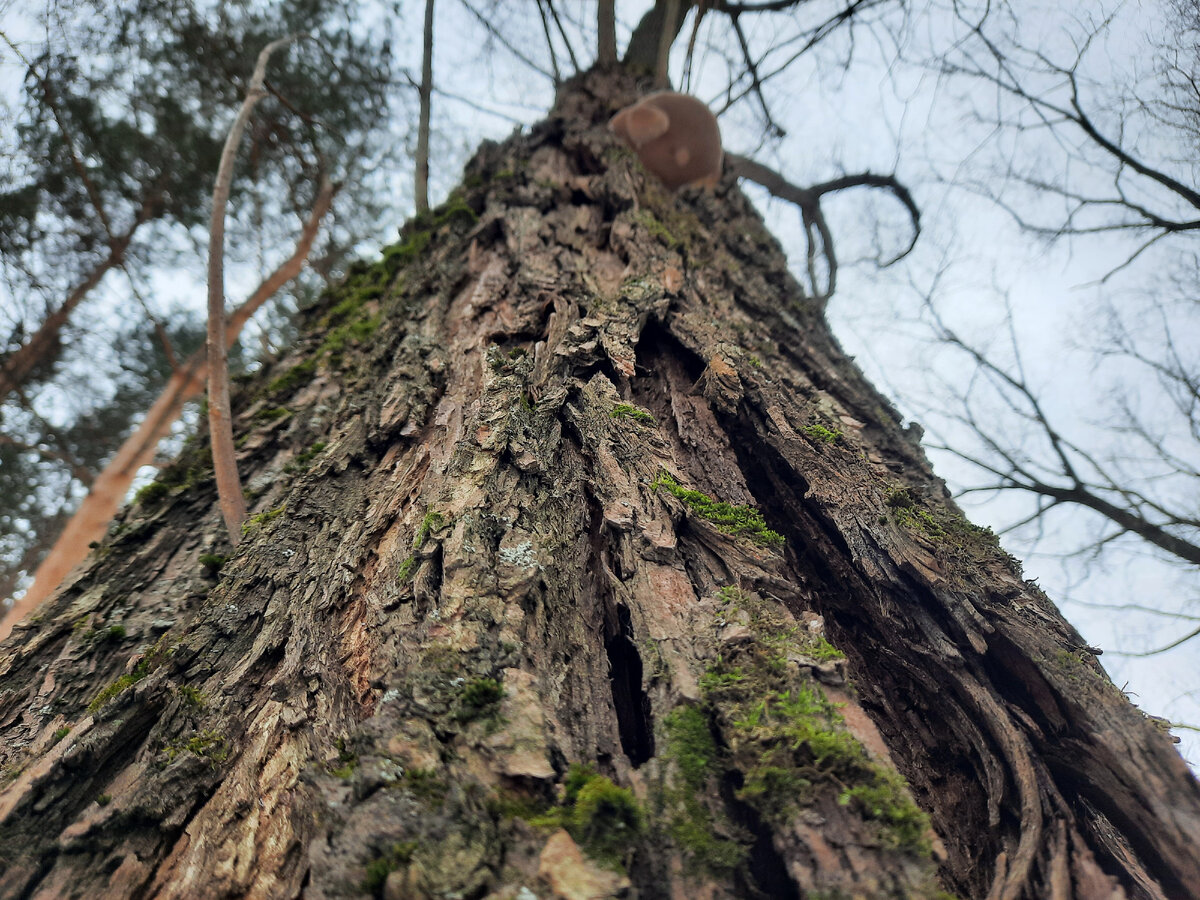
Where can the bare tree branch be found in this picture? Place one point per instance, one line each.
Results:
(421, 189)
(672, 22)
(1064, 481)
(1163, 649)
(606, 33)
(229, 488)
(562, 33)
(809, 201)
(504, 42)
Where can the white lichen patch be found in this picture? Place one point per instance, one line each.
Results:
(521, 556)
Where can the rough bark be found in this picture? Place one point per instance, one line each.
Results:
(477, 563)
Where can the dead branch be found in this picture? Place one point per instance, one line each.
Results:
(671, 22)
(425, 93)
(654, 28)
(815, 227)
(773, 127)
(503, 41)
(1074, 476)
(229, 487)
(541, 6)
(562, 34)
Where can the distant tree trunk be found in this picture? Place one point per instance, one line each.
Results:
(505, 623)
(425, 92)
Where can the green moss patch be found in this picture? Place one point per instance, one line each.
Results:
(480, 698)
(629, 411)
(262, 518)
(647, 220)
(431, 522)
(151, 493)
(152, 660)
(819, 432)
(690, 744)
(272, 414)
(295, 377)
(208, 744)
(744, 521)
(787, 740)
(396, 857)
(605, 820)
(347, 761)
(192, 697)
(959, 542)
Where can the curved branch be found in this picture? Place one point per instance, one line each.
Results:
(229, 488)
(809, 201)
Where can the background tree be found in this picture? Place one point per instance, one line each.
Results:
(1094, 152)
(122, 121)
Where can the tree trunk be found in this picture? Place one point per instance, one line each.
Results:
(506, 622)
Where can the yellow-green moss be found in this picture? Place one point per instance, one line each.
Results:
(690, 744)
(604, 819)
(192, 697)
(262, 518)
(629, 411)
(745, 521)
(406, 252)
(819, 432)
(208, 744)
(786, 738)
(347, 761)
(425, 785)
(272, 414)
(431, 521)
(297, 375)
(151, 493)
(354, 332)
(455, 209)
(304, 457)
(148, 663)
(886, 800)
(647, 220)
(960, 542)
